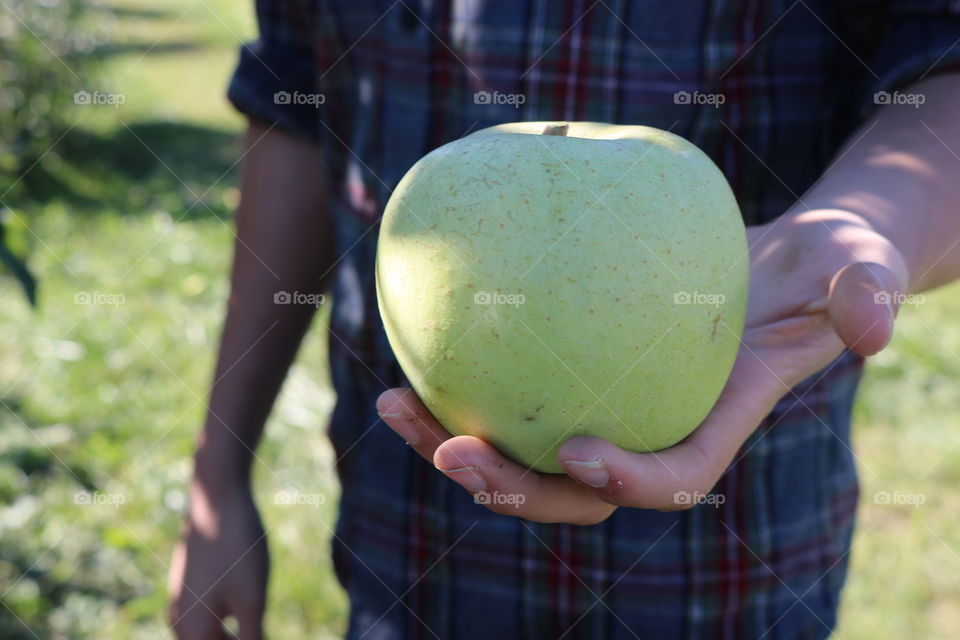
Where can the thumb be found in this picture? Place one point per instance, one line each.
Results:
(862, 305)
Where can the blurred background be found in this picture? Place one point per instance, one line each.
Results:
(117, 186)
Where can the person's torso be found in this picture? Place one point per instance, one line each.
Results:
(768, 91)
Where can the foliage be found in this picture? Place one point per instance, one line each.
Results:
(46, 56)
(46, 51)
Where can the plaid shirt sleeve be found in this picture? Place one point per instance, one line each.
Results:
(922, 38)
(277, 70)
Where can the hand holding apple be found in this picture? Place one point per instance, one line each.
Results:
(815, 277)
(539, 281)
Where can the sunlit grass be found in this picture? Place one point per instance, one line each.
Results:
(905, 578)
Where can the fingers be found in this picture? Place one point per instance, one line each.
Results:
(673, 478)
(862, 306)
(664, 480)
(497, 482)
(403, 412)
(601, 476)
(188, 616)
(508, 488)
(193, 619)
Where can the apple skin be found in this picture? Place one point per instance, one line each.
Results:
(597, 234)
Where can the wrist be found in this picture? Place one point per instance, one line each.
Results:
(221, 462)
(211, 506)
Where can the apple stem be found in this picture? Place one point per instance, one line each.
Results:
(556, 129)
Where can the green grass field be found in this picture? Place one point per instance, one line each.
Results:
(103, 386)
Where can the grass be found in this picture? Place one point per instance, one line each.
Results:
(108, 396)
(905, 580)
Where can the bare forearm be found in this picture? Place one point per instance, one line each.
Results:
(283, 244)
(901, 173)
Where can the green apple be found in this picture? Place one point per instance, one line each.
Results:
(542, 281)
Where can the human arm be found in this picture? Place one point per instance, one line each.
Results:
(283, 243)
(901, 173)
(883, 220)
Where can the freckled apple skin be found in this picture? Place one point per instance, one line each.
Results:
(601, 231)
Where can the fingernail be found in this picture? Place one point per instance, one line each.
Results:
(403, 424)
(467, 477)
(590, 472)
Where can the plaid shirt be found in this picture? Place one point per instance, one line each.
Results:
(769, 89)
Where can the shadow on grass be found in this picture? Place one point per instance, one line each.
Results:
(153, 48)
(148, 13)
(139, 168)
(31, 583)
(36, 459)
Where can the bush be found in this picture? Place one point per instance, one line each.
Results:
(47, 51)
